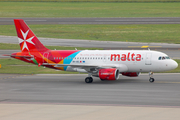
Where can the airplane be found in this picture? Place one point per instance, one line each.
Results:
(105, 64)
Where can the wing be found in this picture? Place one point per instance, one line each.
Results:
(92, 67)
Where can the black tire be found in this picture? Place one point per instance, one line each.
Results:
(151, 80)
(89, 80)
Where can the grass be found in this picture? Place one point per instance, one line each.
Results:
(7, 46)
(14, 66)
(158, 33)
(88, 9)
(90, 0)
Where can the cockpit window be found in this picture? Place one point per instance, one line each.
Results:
(163, 58)
(167, 57)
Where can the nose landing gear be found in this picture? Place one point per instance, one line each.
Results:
(151, 79)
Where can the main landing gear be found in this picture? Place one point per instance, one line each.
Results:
(89, 79)
(151, 79)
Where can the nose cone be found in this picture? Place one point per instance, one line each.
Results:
(174, 64)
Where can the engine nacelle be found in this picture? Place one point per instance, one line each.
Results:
(109, 74)
(131, 74)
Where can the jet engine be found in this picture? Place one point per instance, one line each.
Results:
(108, 74)
(131, 74)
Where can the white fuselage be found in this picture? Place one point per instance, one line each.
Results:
(126, 60)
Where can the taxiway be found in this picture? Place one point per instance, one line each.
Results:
(140, 20)
(71, 89)
(170, 49)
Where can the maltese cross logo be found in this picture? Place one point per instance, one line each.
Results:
(25, 41)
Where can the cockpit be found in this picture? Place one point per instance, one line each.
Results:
(163, 58)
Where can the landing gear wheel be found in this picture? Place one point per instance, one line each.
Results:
(151, 80)
(89, 80)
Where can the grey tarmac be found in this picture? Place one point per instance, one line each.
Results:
(72, 89)
(171, 49)
(68, 97)
(94, 43)
(140, 20)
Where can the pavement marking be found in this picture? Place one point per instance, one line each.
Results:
(12, 77)
(143, 46)
(36, 20)
(168, 82)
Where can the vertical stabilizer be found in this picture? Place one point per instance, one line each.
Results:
(27, 39)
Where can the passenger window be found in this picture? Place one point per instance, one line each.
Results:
(159, 58)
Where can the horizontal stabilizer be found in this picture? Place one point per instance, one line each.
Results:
(19, 56)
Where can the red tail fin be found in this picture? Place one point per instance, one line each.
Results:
(27, 39)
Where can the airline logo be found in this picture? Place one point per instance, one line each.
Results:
(126, 57)
(24, 42)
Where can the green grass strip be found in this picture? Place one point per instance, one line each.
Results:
(158, 33)
(90, 0)
(88, 9)
(14, 66)
(7, 46)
